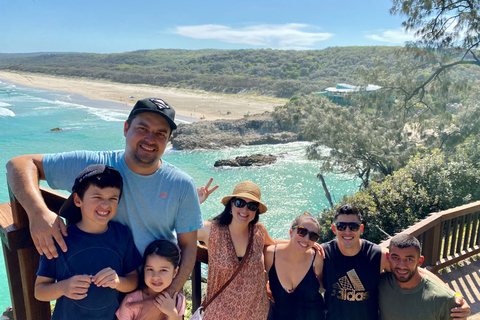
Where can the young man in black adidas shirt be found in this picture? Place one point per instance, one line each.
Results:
(352, 269)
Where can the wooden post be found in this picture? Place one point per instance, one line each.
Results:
(28, 260)
(196, 286)
(14, 281)
(432, 245)
(202, 257)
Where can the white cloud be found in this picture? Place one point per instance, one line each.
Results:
(394, 36)
(287, 36)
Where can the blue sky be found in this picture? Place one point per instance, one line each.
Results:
(105, 26)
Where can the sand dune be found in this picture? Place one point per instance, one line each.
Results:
(188, 103)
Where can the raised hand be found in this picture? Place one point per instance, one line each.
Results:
(204, 192)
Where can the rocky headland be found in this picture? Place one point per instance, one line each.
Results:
(220, 134)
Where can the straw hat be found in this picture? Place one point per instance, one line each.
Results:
(247, 190)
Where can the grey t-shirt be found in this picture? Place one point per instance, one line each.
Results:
(428, 301)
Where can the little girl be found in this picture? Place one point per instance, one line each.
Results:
(160, 266)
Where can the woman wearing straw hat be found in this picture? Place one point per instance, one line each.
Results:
(295, 273)
(227, 237)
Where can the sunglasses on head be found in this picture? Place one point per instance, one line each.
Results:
(240, 203)
(342, 226)
(302, 232)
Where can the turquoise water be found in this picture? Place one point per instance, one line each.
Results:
(289, 186)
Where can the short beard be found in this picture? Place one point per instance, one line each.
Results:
(408, 278)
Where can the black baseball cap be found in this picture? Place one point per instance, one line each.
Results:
(157, 106)
(69, 210)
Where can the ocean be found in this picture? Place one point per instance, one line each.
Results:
(289, 187)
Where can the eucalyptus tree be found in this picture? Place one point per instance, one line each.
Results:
(441, 61)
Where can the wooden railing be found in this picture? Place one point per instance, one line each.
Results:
(22, 259)
(448, 236)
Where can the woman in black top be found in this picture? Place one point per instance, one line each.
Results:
(295, 271)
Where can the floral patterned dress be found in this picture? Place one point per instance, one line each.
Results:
(246, 296)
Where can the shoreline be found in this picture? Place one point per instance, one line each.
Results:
(189, 105)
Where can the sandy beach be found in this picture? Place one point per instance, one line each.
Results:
(188, 103)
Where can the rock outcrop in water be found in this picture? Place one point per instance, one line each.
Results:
(230, 133)
(247, 161)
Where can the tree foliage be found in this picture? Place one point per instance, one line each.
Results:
(447, 36)
(277, 72)
(430, 182)
(374, 145)
(442, 23)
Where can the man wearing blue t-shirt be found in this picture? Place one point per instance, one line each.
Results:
(159, 200)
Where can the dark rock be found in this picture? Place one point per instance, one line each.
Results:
(56, 129)
(230, 133)
(247, 161)
(226, 163)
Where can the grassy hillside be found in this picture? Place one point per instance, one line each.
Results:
(275, 72)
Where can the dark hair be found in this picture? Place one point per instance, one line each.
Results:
(130, 119)
(305, 216)
(164, 248)
(225, 217)
(348, 209)
(110, 179)
(403, 240)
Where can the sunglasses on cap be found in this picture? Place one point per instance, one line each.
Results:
(302, 232)
(342, 226)
(240, 203)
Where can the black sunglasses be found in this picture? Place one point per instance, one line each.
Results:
(302, 232)
(342, 226)
(240, 203)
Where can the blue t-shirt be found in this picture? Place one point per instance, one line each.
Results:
(154, 206)
(88, 253)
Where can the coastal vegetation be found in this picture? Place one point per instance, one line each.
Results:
(278, 73)
(409, 166)
(414, 143)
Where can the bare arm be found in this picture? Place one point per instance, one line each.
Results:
(384, 265)
(76, 287)
(319, 267)
(269, 240)
(188, 244)
(204, 233)
(268, 259)
(23, 175)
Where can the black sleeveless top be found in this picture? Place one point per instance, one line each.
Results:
(304, 303)
(351, 283)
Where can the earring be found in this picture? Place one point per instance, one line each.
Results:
(231, 212)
